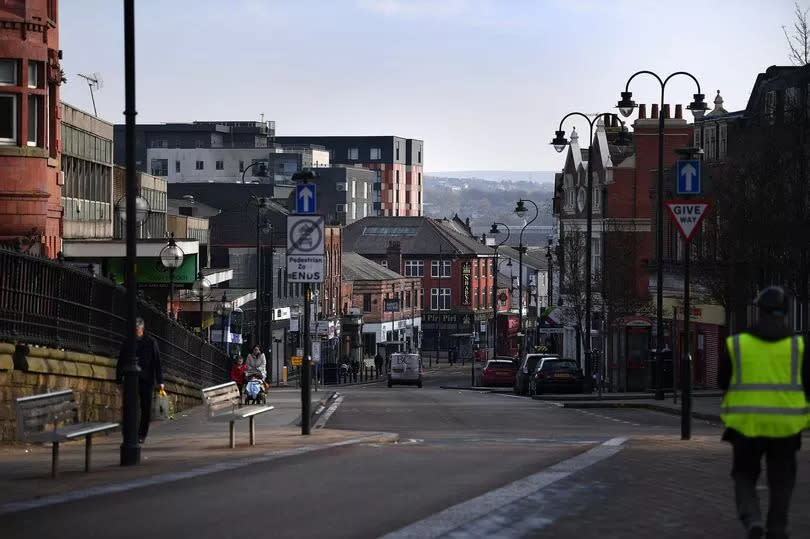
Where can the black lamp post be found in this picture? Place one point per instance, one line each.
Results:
(521, 211)
(201, 289)
(494, 230)
(698, 108)
(550, 269)
(560, 142)
(224, 310)
(171, 257)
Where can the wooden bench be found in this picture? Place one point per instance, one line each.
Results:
(59, 409)
(224, 404)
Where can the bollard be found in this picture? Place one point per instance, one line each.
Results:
(284, 375)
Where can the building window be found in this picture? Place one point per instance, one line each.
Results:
(220, 165)
(200, 165)
(723, 141)
(439, 299)
(419, 160)
(420, 178)
(354, 154)
(397, 158)
(241, 166)
(8, 72)
(710, 147)
(33, 120)
(414, 268)
(177, 167)
(792, 101)
(8, 119)
(596, 255)
(354, 211)
(434, 268)
(354, 188)
(367, 303)
(34, 70)
(597, 198)
(770, 106)
(375, 153)
(407, 298)
(698, 130)
(365, 191)
(397, 173)
(384, 263)
(159, 167)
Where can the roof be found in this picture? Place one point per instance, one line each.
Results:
(417, 236)
(532, 259)
(355, 267)
(203, 210)
(504, 281)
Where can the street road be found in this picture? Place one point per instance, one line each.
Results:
(454, 446)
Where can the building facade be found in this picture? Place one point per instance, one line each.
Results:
(153, 190)
(399, 162)
(30, 135)
(344, 194)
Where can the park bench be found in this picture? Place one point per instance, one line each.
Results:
(224, 403)
(58, 410)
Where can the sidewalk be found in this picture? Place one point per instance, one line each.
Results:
(189, 443)
(705, 406)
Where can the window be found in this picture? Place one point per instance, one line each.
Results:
(33, 119)
(354, 188)
(375, 153)
(407, 298)
(421, 298)
(792, 105)
(384, 263)
(365, 209)
(241, 166)
(397, 157)
(710, 146)
(434, 268)
(723, 141)
(439, 299)
(414, 268)
(159, 167)
(397, 172)
(8, 72)
(177, 167)
(596, 255)
(354, 153)
(198, 143)
(354, 210)
(770, 106)
(698, 130)
(367, 303)
(420, 178)
(34, 70)
(597, 197)
(220, 165)
(365, 190)
(200, 165)
(419, 160)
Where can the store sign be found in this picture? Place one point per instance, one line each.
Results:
(466, 284)
(391, 305)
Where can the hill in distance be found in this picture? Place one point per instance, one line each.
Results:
(534, 176)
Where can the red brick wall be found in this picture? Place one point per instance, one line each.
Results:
(379, 290)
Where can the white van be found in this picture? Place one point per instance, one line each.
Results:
(405, 369)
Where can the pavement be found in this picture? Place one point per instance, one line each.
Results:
(465, 465)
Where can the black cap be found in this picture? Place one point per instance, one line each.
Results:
(772, 300)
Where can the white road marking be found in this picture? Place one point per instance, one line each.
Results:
(114, 488)
(331, 410)
(457, 521)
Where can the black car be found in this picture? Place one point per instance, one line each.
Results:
(556, 375)
(526, 369)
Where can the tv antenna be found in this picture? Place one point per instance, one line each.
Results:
(96, 81)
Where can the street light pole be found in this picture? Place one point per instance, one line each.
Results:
(171, 257)
(559, 142)
(494, 230)
(698, 108)
(520, 210)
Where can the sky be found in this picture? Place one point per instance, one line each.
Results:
(483, 82)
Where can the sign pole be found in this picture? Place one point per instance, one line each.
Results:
(686, 356)
(306, 368)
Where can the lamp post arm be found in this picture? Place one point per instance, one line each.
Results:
(643, 72)
(583, 115)
(536, 213)
(682, 73)
(248, 168)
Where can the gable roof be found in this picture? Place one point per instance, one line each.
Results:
(355, 267)
(531, 258)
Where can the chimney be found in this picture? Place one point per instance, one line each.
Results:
(642, 112)
(678, 112)
(654, 114)
(394, 256)
(666, 111)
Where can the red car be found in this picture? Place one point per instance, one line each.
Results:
(499, 372)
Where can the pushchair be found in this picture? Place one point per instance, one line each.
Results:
(255, 392)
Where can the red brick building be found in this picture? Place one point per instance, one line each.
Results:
(30, 76)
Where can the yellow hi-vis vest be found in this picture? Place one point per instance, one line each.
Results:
(766, 396)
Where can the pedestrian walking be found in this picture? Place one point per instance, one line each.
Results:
(355, 369)
(256, 362)
(378, 364)
(766, 378)
(147, 355)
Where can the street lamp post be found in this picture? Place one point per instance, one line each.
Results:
(520, 210)
(698, 108)
(224, 310)
(201, 289)
(171, 257)
(550, 269)
(494, 230)
(560, 142)
(261, 218)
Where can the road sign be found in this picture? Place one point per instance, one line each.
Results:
(297, 361)
(688, 214)
(391, 305)
(688, 180)
(305, 235)
(305, 269)
(305, 201)
(316, 352)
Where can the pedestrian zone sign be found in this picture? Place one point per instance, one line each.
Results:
(688, 214)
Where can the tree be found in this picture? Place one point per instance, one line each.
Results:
(572, 282)
(798, 38)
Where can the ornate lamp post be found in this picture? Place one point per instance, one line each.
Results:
(171, 257)
(224, 310)
(520, 211)
(698, 108)
(201, 289)
(495, 230)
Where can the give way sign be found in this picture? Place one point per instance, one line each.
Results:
(688, 214)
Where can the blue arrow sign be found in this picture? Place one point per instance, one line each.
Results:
(305, 198)
(688, 180)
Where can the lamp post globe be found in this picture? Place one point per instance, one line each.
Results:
(626, 104)
(171, 257)
(201, 287)
(520, 209)
(142, 209)
(559, 141)
(698, 106)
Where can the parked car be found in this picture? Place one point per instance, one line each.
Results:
(405, 369)
(556, 375)
(499, 372)
(527, 368)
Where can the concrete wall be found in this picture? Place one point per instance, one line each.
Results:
(91, 377)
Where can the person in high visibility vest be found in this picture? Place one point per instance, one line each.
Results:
(766, 379)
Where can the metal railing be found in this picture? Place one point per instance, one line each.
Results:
(46, 303)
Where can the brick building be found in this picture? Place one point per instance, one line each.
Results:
(30, 136)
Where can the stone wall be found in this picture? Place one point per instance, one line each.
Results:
(91, 377)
